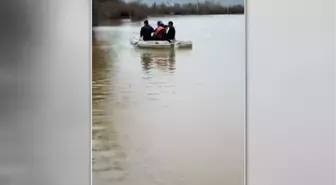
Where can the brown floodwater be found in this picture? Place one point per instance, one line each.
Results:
(170, 117)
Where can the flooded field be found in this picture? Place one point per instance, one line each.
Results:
(170, 117)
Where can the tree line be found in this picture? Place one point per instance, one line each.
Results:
(104, 10)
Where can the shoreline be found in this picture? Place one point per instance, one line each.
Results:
(135, 11)
(118, 22)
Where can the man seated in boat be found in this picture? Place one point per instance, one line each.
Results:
(146, 31)
(170, 32)
(159, 32)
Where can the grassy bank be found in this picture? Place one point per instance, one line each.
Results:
(104, 10)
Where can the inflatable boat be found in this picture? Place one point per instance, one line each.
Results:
(139, 43)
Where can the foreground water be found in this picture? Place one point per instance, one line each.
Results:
(170, 117)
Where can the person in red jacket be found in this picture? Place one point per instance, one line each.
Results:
(159, 32)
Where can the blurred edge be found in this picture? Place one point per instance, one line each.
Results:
(45, 92)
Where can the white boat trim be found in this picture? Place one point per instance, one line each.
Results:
(137, 42)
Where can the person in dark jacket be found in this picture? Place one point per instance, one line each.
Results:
(146, 31)
(170, 33)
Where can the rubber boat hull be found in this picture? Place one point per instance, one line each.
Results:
(160, 44)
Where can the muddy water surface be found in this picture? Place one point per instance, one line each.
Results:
(170, 117)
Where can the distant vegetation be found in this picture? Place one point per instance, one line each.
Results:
(104, 10)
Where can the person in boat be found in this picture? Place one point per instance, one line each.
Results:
(170, 32)
(146, 31)
(160, 31)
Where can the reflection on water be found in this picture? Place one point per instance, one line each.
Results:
(170, 116)
(163, 60)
